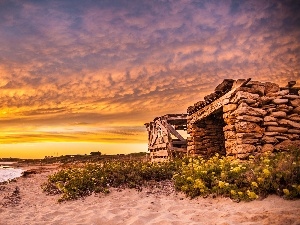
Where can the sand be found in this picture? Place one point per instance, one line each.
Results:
(23, 202)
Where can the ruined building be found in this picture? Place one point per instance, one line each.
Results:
(240, 118)
(164, 140)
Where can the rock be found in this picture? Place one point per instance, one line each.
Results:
(248, 101)
(270, 124)
(243, 95)
(297, 110)
(292, 96)
(287, 145)
(245, 148)
(250, 118)
(247, 110)
(230, 147)
(246, 141)
(249, 135)
(270, 119)
(280, 138)
(229, 107)
(281, 93)
(258, 89)
(266, 100)
(229, 127)
(293, 136)
(277, 129)
(278, 114)
(248, 127)
(280, 101)
(284, 108)
(230, 134)
(294, 117)
(289, 122)
(271, 88)
(293, 131)
(267, 148)
(269, 139)
(295, 102)
(243, 156)
(271, 133)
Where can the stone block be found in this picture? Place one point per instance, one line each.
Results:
(270, 124)
(292, 96)
(248, 127)
(240, 141)
(229, 107)
(289, 122)
(287, 145)
(293, 136)
(295, 102)
(245, 148)
(285, 108)
(269, 139)
(293, 131)
(254, 119)
(271, 88)
(243, 95)
(229, 127)
(294, 117)
(244, 109)
(297, 110)
(279, 114)
(230, 134)
(267, 148)
(270, 119)
(271, 133)
(277, 129)
(278, 101)
(249, 135)
(281, 138)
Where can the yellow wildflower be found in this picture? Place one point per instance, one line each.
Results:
(254, 184)
(286, 192)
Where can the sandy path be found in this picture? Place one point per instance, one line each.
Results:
(132, 207)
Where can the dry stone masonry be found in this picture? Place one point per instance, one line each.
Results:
(240, 118)
(244, 117)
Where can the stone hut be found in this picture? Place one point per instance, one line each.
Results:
(244, 117)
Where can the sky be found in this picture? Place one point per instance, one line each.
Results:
(80, 76)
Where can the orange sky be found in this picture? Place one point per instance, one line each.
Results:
(79, 76)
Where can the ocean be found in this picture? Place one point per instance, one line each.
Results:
(7, 173)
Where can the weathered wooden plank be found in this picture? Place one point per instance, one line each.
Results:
(179, 142)
(157, 146)
(174, 132)
(178, 149)
(215, 105)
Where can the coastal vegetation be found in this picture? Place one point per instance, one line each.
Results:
(269, 173)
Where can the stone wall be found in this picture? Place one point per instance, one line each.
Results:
(207, 137)
(258, 117)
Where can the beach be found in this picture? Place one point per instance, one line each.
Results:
(23, 202)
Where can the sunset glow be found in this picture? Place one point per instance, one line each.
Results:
(82, 76)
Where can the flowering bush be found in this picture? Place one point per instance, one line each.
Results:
(240, 180)
(81, 181)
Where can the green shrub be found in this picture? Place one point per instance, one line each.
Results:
(74, 183)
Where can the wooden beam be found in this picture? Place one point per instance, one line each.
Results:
(174, 132)
(174, 149)
(215, 105)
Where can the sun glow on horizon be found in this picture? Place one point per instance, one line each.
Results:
(40, 150)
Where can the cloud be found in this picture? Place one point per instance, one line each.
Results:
(120, 62)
